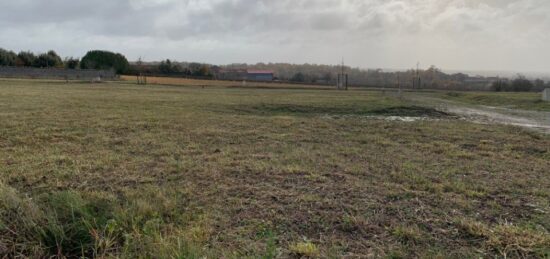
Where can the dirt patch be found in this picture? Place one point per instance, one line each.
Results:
(454, 94)
(411, 111)
(312, 110)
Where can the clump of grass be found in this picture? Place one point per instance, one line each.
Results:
(305, 249)
(351, 223)
(407, 234)
(508, 240)
(454, 94)
(271, 250)
(468, 189)
(472, 229)
(20, 221)
(515, 241)
(68, 224)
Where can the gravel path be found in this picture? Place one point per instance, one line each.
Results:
(537, 120)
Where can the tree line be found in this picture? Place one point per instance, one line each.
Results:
(519, 84)
(431, 78)
(170, 68)
(29, 59)
(94, 59)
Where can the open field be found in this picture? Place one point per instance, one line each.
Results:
(221, 83)
(119, 170)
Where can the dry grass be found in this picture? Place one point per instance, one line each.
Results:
(221, 83)
(120, 170)
(305, 249)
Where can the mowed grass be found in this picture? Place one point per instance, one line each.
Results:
(119, 170)
(526, 101)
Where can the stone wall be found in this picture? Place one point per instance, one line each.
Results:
(56, 73)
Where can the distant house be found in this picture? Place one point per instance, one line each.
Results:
(260, 75)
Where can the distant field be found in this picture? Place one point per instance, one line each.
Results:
(527, 101)
(220, 83)
(120, 170)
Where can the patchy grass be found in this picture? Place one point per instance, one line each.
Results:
(118, 170)
(407, 234)
(305, 249)
(508, 240)
(526, 101)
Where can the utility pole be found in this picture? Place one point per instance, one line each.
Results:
(342, 66)
(346, 82)
(418, 75)
(398, 86)
(342, 78)
(141, 78)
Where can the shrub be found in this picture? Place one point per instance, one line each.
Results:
(26, 58)
(298, 77)
(7, 58)
(49, 59)
(72, 63)
(99, 59)
(500, 86)
(521, 84)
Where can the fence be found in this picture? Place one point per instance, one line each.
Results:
(56, 73)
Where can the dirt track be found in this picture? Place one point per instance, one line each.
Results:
(537, 120)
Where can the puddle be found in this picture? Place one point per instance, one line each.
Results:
(385, 118)
(487, 116)
(537, 120)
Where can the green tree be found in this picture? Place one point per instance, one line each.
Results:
(7, 58)
(500, 86)
(204, 70)
(99, 59)
(72, 63)
(539, 84)
(327, 77)
(521, 84)
(49, 59)
(194, 69)
(165, 67)
(168, 67)
(27, 58)
(298, 77)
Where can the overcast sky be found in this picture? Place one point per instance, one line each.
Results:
(451, 34)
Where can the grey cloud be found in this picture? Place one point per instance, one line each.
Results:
(376, 33)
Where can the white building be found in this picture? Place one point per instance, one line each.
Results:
(546, 95)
